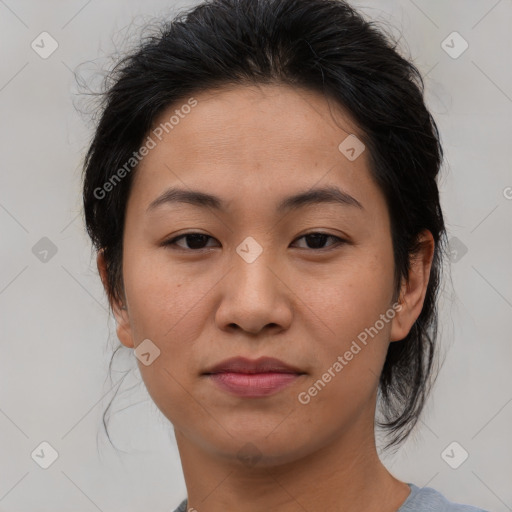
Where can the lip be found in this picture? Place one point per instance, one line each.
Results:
(260, 365)
(253, 378)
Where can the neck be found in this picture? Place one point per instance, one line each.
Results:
(344, 474)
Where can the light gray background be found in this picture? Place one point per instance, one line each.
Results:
(54, 323)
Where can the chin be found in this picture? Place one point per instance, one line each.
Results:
(256, 448)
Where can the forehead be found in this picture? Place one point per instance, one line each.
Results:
(258, 140)
(241, 118)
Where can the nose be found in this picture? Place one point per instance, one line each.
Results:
(255, 297)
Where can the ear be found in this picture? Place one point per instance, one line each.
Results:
(412, 294)
(124, 332)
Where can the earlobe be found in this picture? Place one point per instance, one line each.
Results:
(412, 294)
(120, 311)
(124, 331)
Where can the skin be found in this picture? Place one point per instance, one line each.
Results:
(299, 302)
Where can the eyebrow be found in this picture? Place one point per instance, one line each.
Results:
(327, 194)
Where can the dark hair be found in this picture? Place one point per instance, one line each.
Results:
(327, 47)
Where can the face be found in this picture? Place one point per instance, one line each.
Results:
(302, 281)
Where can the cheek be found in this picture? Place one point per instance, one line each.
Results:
(352, 306)
(359, 291)
(162, 302)
(166, 309)
(349, 361)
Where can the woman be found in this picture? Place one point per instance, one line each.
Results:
(261, 190)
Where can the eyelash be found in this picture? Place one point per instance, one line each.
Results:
(172, 242)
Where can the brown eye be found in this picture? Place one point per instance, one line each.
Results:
(195, 241)
(317, 240)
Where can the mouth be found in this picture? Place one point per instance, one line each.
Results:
(250, 366)
(253, 378)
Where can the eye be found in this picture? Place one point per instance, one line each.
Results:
(318, 239)
(196, 241)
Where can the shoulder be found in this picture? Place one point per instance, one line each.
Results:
(426, 499)
(421, 499)
(182, 507)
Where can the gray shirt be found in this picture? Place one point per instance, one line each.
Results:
(421, 499)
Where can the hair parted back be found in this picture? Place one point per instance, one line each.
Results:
(324, 46)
